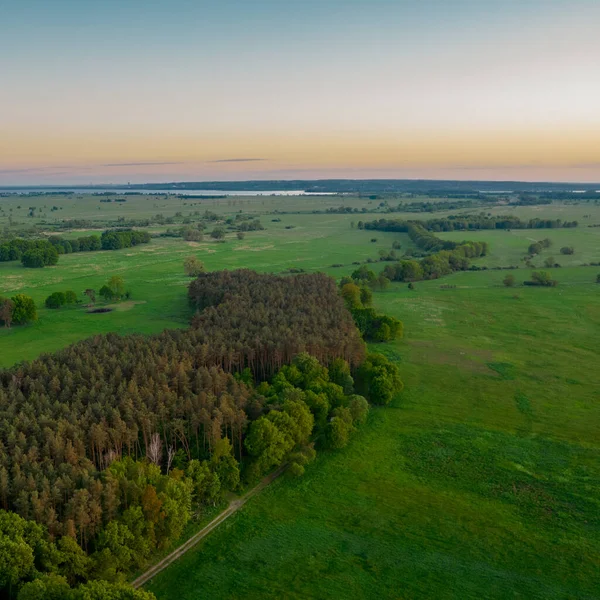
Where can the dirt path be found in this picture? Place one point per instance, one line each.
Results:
(233, 507)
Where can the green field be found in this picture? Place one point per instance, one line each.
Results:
(481, 481)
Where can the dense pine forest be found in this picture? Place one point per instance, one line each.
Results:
(108, 447)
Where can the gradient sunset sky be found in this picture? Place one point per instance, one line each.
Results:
(110, 91)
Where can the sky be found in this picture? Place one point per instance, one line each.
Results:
(118, 91)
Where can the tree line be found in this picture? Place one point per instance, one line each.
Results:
(466, 223)
(41, 253)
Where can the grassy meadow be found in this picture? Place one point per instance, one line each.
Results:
(482, 480)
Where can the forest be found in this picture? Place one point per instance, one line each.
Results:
(108, 447)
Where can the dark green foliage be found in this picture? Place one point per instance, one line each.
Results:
(405, 270)
(366, 296)
(88, 243)
(376, 327)
(509, 280)
(339, 428)
(116, 239)
(363, 275)
(41, 253)
(23, 309)
(218, 233)
(70, 297)
(567, 250)
(339, 373)
(442, 262)
(102, 590)
(350, 292)
(262, 321)
(106, 293)
(468, 223)
(34, 567)
(372, 326)
(45, 254)
(56, 300)
(378, 379)
(541, 278)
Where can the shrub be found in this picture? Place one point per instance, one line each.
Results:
(378, 379)
(567, 250)
(541, 278)
(193, 266)
(71, 297)
(509, 280)
(24, 309)
(56, 300)
(218, 233)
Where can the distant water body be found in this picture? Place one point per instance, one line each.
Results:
(171, 191)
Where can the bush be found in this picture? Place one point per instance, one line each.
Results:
(24, 309)
(541, 278)
(509, 280)
(190, 234)
(567, 250)
(106, 293)
(193, 266)
(56, 300)
(71, 297)
(378, 379)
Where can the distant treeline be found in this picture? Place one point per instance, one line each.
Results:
(466, 223)
(366, 186)
(40, 253)
(570, 195)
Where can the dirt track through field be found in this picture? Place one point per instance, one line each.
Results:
(233, 507)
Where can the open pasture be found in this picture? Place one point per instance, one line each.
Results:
(510, 247)
(482, 480)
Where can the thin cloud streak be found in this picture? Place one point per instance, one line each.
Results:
(143, 164)
(238, 160)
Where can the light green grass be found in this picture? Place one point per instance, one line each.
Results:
(510, 247)
(481, 481)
